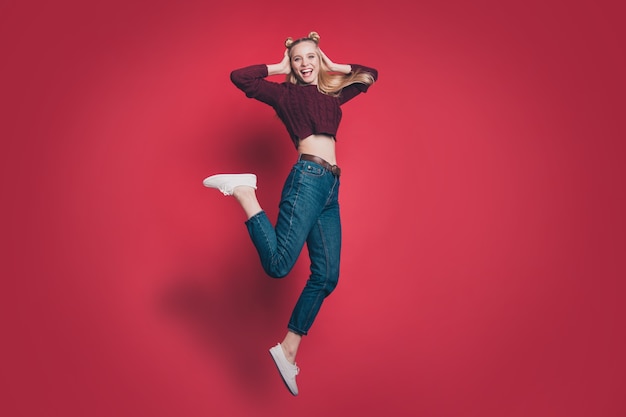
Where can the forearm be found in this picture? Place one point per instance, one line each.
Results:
(333, 67)
(276, 69)
(342, 68)
(283, 67)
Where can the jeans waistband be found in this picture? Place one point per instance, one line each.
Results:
(334, 169)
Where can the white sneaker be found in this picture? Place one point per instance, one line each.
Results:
(288, 371)
(226, 183)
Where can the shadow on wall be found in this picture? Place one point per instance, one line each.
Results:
(259, 143)
(228, 303)
(235, 321)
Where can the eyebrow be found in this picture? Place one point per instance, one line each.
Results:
(307, 54)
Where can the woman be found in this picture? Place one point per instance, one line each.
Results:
(308, 103)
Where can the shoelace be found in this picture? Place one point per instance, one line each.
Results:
(226, 189)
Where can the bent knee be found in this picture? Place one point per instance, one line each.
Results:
(331, 284)
(276, 273)
(277, 270)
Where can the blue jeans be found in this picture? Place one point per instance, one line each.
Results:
(308, 212)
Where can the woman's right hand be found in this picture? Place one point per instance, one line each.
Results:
(286, 62)
(283, 67)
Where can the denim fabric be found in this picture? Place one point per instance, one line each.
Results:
(308, 212)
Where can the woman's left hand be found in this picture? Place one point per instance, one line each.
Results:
(343, 68)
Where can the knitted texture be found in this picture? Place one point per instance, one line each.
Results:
(302, 108)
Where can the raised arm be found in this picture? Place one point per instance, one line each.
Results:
(283, 67)
(334, 67)
(252, 80)
(356, 88)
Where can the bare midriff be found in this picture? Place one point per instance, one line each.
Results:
(319, 145)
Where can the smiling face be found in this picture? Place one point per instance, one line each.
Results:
(305, 62)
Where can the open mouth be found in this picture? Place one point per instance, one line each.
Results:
(306, 73)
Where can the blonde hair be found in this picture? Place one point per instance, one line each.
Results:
(328, 82)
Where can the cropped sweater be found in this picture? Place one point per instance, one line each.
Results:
(302, 108)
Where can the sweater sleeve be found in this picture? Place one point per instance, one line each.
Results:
(355, 89)
(251, 80)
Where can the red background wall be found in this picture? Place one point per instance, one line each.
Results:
(482, 201)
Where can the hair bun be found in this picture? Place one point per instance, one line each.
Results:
(314, 36)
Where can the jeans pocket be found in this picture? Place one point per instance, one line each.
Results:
(312, 169)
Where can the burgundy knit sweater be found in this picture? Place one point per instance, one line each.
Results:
(302, 108)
